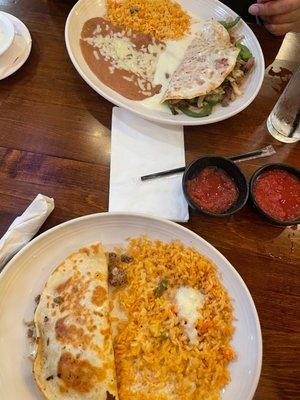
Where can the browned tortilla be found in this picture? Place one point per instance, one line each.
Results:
(100, 68)
(207, 61)
(75, 358)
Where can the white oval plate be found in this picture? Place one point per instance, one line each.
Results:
(7, 33)
(86, 9)
(24, 277)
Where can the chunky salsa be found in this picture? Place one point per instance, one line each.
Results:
(277, 192)
(213, 190)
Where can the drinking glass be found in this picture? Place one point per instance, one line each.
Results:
(283, 122)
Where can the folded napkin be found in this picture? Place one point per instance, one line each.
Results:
(25, 227)
(140, 147)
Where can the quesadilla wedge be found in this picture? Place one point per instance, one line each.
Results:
(212, 69)
(75, 358)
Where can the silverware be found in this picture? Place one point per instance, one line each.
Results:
(265, 151)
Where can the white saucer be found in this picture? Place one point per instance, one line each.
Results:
(19, 50)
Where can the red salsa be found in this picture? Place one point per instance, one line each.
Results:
(213, 190)
(277, 192)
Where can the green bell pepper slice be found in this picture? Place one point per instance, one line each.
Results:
(230, 25)
(213, 99)
(245, 54)
(172, 108)
(204, 111)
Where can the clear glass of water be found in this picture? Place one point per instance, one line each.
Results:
(284, 121)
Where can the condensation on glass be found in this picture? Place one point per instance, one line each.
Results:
(284, 121)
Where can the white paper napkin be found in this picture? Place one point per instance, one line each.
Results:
(140, 147)
(25, 227)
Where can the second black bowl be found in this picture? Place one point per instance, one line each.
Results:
(232, 170)
(270, 167)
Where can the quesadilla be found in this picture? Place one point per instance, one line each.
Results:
(207, 61)
(75, 358)
(211, 71)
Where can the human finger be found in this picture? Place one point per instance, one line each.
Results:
(293, 16)
(273, 7)
(280, 29)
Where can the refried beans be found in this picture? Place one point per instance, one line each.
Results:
(123, 61)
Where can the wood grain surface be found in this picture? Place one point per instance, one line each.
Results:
(55, 140)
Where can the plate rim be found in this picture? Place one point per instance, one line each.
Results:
(168, 119)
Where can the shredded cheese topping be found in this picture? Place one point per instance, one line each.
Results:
(123, 54)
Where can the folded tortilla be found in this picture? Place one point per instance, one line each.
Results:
(207, 61)
(75, 358)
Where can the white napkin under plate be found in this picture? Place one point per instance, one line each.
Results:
(25, 227)
(140, 147)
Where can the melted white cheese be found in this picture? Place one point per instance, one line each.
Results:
(32, 350)
(1, 35)
(189, 302)
(167, 63)
(116, 313)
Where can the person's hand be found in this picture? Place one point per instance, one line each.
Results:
(280, 16)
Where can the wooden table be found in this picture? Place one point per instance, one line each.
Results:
(55, 140)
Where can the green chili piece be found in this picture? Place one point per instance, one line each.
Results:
(172, 108)
(204, 111)
(213, 99)
(231, 24)
(192, 101)
(164, 336)
(133, 10)
(161, 287)
(245, 54)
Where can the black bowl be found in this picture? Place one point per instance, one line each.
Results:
(270, 167)
(232, 170)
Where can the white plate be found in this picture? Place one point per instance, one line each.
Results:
(19, 51)
(86, 9)
(7, 33)
(24, 277)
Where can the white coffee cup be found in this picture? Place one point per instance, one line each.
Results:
(7, 33)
